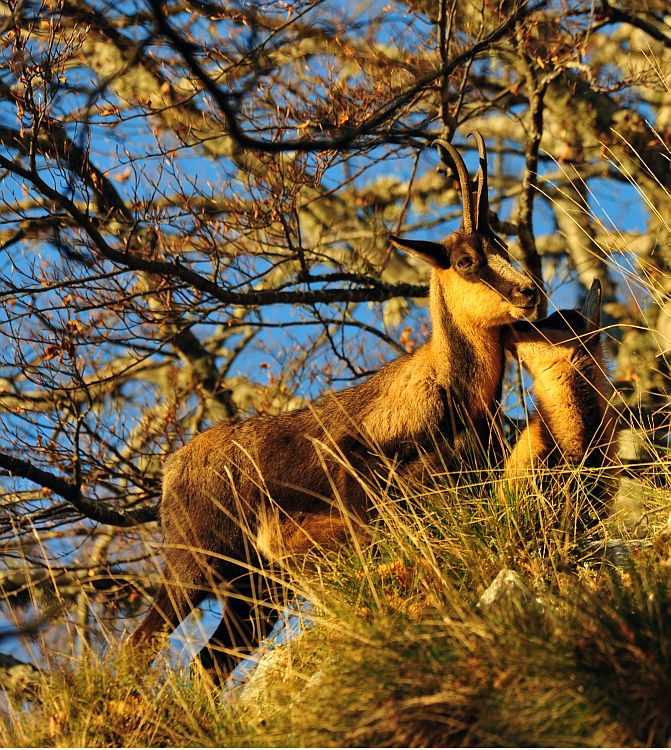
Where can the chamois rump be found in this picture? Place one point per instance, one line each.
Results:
(276, 485)
(575, 422)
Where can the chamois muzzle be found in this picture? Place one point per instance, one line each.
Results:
(525, 296)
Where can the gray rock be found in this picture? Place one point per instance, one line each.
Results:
(618, 552)
(258, 695)
(507, 587)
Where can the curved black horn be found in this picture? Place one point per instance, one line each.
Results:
(464, 181)
(482, 196)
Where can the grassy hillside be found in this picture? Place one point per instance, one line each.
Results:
(576, 650)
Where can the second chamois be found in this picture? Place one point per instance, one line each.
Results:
(574, 424)
(278, 485)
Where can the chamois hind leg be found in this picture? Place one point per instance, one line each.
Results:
(243, 625)
(173, 602)
(250, 600)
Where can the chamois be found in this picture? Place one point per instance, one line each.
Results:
(574, 422)
(274, 485)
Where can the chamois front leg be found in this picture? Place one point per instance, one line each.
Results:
(347, 517)
(530, 449)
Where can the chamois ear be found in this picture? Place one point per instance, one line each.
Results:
(591, 309)
(432, 253)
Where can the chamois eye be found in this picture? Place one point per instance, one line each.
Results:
(464, 263)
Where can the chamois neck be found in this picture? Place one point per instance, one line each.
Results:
(459, 344)
(466, 358)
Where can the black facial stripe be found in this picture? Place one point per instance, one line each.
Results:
(481, 251)
(494, 245)
(470, 274)
(501, 286)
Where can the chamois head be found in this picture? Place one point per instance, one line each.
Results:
(566, 336)
(472, 269)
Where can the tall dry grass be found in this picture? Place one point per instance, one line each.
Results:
(400, 652)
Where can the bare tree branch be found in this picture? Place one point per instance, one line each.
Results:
(530, 258)
(72, 493)
(348, 136)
